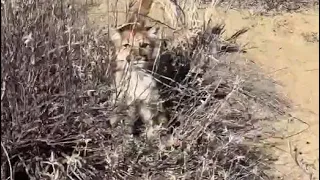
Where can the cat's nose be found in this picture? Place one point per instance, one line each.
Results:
(130, 57)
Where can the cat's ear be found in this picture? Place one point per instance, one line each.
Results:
(115, 35)
(153, 31)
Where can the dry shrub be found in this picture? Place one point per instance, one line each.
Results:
(55, 109)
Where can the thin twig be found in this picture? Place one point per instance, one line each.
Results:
(9, 161)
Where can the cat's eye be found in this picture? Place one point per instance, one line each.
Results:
(144, 45)
(126, 45)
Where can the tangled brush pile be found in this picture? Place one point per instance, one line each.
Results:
(55, 108)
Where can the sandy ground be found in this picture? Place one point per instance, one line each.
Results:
(287, 47)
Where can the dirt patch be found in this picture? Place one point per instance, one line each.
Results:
(286, 46)
(270, 6)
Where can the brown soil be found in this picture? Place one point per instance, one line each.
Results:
(287, 47)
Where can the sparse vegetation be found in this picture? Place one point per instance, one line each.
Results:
(55, 108)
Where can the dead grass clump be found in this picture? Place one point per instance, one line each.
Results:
(47, 76)
(55, 107)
